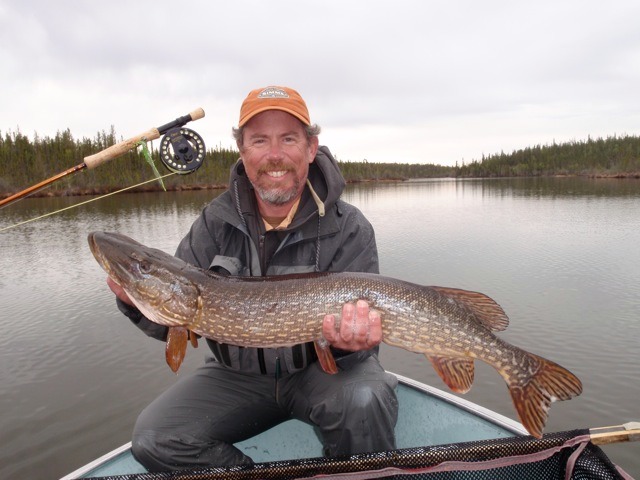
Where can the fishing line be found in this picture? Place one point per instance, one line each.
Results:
(155, 179)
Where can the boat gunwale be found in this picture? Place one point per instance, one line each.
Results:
(80, 472)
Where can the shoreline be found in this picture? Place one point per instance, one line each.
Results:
(77, 192)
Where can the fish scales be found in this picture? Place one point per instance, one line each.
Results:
(451, 327)
(267, 309)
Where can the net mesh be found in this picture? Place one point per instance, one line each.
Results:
(557, 455)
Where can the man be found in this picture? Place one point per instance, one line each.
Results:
(281, 214)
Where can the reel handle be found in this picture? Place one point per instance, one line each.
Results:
(197, 114)
(119, 149)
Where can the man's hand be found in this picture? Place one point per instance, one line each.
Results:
(119, 291)
(360, 328)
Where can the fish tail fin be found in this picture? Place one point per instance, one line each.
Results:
(532, 400)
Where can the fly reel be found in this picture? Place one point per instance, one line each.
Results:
(182, 150)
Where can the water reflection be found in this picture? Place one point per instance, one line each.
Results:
(560, 255)
(556, 187)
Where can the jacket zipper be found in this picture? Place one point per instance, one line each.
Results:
(277, 377)
(261, 252)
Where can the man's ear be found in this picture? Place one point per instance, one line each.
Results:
(313, 147)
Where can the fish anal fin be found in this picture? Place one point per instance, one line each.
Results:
(455, 372)
(325, 356)
(532, 400)
(485, 309)
(176, 348)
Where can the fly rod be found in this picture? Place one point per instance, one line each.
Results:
(629, 432)
(181, 150)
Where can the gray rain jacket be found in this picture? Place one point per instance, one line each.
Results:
(229, 237)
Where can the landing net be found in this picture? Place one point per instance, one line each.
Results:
(563, 455)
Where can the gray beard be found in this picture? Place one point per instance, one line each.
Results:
(277, 197)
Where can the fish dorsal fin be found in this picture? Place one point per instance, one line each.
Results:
(485, 309)
(456, 372)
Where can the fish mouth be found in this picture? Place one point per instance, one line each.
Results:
(97, 251)
(102, 243)
(91, 238)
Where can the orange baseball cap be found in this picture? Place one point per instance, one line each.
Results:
(274, 98)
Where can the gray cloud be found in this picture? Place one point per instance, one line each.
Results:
(435, 80)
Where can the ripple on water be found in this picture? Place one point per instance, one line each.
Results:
(75, 372)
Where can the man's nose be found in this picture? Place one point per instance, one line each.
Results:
(275, 150)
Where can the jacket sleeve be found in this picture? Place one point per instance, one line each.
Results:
(199, 245)
(150, 328)
(358, 251)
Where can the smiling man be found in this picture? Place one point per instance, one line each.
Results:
(276, 156)
(281, 214)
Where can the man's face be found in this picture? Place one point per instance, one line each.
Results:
(276, 155)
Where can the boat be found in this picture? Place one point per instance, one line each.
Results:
(435, 430)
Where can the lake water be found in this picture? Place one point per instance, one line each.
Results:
(561, 255)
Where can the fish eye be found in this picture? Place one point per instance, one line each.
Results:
(144, 267)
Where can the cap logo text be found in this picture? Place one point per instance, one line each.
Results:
(272, 92)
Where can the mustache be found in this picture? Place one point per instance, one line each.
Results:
(275, 166)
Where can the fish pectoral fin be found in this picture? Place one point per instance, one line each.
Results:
(532, 400)
(325, 356)
(456, 372)
(485, 309)
(176, 348)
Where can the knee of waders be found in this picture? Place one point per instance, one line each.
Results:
(154, 453)
(362, 401)
(363, 419)
(366, 399)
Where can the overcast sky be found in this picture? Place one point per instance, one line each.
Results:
(397, 81)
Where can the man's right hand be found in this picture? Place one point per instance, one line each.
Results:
(119, 291)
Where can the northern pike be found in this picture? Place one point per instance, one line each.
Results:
(451, 327)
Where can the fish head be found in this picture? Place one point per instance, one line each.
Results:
(157, 283)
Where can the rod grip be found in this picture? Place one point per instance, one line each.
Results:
(115, 151)
(119, 149)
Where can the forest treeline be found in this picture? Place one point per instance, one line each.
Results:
(25, 161)
(611, 157)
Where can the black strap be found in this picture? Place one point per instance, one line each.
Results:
(261, 362)
(298, 358)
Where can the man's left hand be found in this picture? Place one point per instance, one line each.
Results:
(360, 328)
